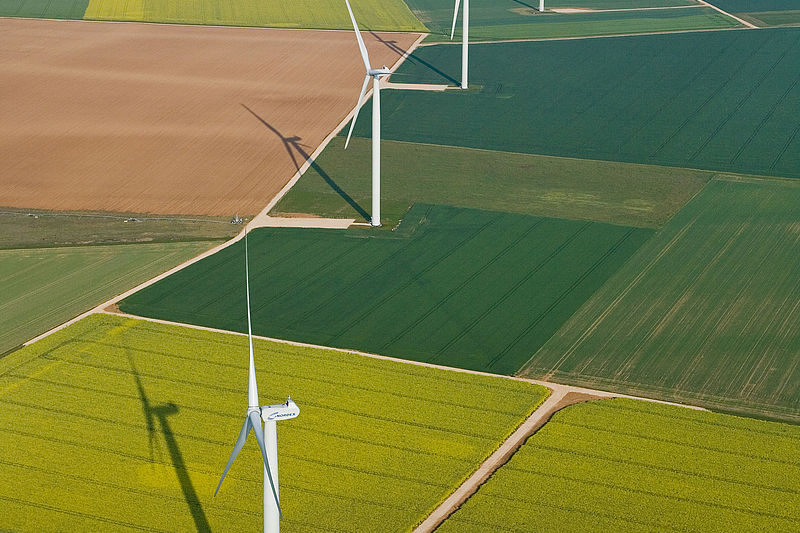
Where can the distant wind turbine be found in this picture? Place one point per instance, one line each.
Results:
(464, 40)
(270, 414)
(375, 74)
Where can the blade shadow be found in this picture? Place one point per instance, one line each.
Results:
(161, 412)
(414, 59)
(293, 145)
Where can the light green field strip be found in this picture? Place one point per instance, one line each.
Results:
(707, 311)
(45, 287)
(117, 424)
(384, 15)
(338, 183)
(626, 465)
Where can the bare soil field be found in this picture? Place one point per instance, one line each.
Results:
(168, 119)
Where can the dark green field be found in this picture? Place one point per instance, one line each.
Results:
(639, 467)
(650, 99)
(763, 12)
(460, 287)
(707, 312)
(338, 184)
(53, 9)
(513, 19)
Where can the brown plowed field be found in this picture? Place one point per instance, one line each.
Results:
(154, 118)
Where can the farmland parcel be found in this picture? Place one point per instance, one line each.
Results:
(763, 12)
(338, 184)
(460, 287)
(146, 415)
(42, 288)
(511, 19)
(648, 99)
(167, 119)
(625, 465)
(708, 311)
(386, 15)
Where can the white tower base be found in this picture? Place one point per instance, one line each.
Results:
(376, 152)
(465, 46)
(272, 518)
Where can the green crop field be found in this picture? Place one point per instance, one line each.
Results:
(706, 312)
(459, 287)
(514, 19)
(733, 107)
(763, 12)
(42, 288)
(52, 9)
(327, 14)
(119, 424)
(626, 465)
(338, 184)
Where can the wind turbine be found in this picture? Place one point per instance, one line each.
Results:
(268, 438)
(541, 6)
(464, 40)
(375, 74)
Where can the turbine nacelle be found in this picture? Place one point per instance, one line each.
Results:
(281, 411)
(376, 72)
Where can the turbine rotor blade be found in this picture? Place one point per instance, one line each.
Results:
(455, 16)
(361, 46)
(255, 421)
(236, 449)
(358, 108)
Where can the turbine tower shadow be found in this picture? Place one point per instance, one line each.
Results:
(414, 59)
(161, 412)
(292, 145)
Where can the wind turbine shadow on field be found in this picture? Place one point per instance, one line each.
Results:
(413, 58)
(292, 145)
(524, 4)
(161, 412)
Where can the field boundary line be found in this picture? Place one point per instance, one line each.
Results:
(734, 17)
(548, 384)
(540, 39)
(263, 216)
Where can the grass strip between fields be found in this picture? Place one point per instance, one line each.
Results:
(338, 184)
(147, 414)
(627, 465)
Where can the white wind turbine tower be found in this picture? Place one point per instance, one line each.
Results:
(268, 439)
(375, 74)
(464, 40)
(541, 6)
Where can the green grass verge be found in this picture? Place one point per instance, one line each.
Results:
(339, 184)
(113, 416)
(773, 18)
(53, 9)
(706, 312)
(388, 15)
(514, 19)
(460, 287)
(732, 107)
(626, 465)
(20, 228)
(43, 288)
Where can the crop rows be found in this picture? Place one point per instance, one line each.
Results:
(329, 14)
(734, 105)
(461, 287)
(707, 311)
(45, 287)
(147, 415)
(634, 466)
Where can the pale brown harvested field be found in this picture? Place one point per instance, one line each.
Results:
(152, 118)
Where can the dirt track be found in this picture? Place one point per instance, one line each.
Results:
(168, 119)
